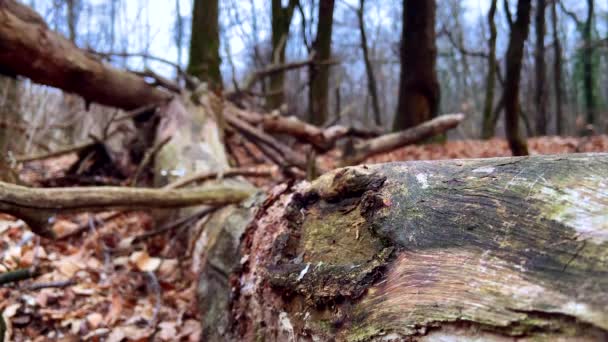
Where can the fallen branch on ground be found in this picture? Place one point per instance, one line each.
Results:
(389, 142)
(36, 206)
(287, 154)
(322, 139)
(52, 284)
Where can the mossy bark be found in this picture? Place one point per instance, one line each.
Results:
(488, 249)
(280, 21)
(205, 43)
(11, 140)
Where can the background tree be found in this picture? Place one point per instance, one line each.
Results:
(418, 84)
(281, 20)
(557, 70)
(319, 71)
(205, 43)
(515, 51)
(489, 124)
(369, 69)
(540, 98)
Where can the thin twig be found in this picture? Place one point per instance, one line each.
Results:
(60, 152)
(52, 284)
(203, 176)
(175, 224)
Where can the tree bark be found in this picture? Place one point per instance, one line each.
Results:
(515, 52)
(319, 72)
(205, 43)
(489, 125)
(487, 249)
(588, 77)
(29, 48)
(281, 20)
(557, 71)
(418, 85)
(369, 69)
(540, 95)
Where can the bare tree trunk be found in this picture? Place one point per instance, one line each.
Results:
(446, 250)
(31, 49)
(488, 125)
(369, 69)
(557, 70)
(418, 84)
(11, 143)
(540, 96)
(319, 78)
(72, 19)
(281, 20)
(515, 51)
(588, 77)
(178, 34)
(205, 43)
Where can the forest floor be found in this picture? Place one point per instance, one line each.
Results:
(97, 280)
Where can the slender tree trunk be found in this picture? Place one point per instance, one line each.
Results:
(369, 70)
(515, 52)
(588, 77)
(281, 20)
(319, 85)
(489, 125)
(418, 84)
(11, 140)
(178, 33)
(72, 20)
(557, 71)
(205, 43)
(540, 96)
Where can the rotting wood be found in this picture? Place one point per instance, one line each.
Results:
(487, 248)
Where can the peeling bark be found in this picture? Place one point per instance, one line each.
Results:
(489, 249)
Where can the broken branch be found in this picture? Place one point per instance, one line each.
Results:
(389, 142)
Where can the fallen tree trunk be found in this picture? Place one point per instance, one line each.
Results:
(28, 47)
(471, 249)
(395, 140)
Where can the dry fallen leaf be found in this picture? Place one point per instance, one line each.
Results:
(168, 331)
(94, 319)
(130, 332)
(144, 261)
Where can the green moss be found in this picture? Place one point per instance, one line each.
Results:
(364, 334)
(338, 238)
